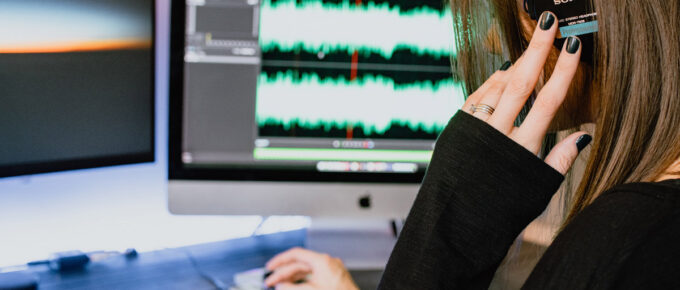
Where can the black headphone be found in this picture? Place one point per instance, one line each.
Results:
(530, 7)
(536, 7)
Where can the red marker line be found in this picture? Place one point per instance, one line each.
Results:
(350, 131)
(355, 65)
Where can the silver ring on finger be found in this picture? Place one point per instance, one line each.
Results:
(484, 109)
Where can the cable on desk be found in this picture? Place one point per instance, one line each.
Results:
(259, 226)
(77, 260)
(219, 285)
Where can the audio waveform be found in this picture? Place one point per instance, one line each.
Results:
(369, 107)
(345, 71)
(378, 27)
(403, 5)
(401, 54)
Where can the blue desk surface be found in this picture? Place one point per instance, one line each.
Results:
(173, 268)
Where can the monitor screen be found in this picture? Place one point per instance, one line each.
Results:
(325, 90)
(76, 84)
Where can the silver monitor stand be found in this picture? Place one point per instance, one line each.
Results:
(350, 221)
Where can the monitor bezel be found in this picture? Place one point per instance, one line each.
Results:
(176, 168)
(103, 161)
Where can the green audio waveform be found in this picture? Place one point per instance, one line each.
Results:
(373, 103)
(365, 129)
(363, 50)
(320, 27)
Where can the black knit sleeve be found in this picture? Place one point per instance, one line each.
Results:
(626, 239)
(480, 191)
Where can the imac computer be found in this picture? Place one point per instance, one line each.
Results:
(323, 108)
(76, 84)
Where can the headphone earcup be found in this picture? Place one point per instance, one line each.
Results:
(530, 8)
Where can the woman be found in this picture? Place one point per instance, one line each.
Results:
(623, 227)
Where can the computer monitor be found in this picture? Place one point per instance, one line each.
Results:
(306, 107)
(76, 84)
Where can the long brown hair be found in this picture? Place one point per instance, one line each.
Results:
(634, 83)
(638, 78)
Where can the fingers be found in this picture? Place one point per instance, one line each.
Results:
(495, 86)
(526, 75)
(288, 273)
(295, 255)
(293, 286)
(551, 97)
(320, 271)
(475, 98)
(562, 157)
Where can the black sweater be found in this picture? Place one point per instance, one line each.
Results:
(482, 189)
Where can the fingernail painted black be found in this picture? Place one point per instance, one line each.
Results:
(506, 66)
(573, 44)
(547, 20)
(583, 141)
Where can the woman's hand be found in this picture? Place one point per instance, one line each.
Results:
(317, 271)
(507, 91)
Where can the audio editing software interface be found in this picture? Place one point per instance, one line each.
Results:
(330, 85)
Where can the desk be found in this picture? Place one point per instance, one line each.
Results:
(173, 268)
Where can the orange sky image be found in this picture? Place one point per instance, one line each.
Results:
(77, 46)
